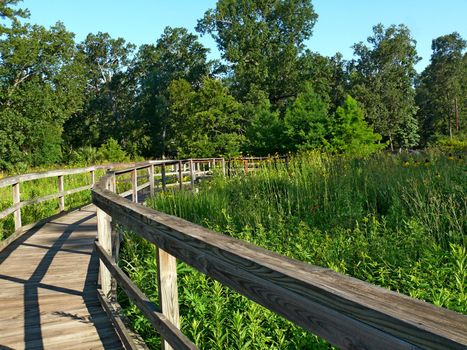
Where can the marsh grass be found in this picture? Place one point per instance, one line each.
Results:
(400, 225)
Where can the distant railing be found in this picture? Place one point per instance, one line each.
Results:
(347, 312)
(199, 167)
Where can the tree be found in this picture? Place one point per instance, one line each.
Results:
(327, 75)
(442, 88)
(41, 85)
(262, 40)
(306, 122)
(206, 121)
(350, 134)
(6, 11)
(382, 80)
(109, 92)
(177, 55)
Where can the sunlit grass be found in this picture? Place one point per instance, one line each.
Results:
(397, 225)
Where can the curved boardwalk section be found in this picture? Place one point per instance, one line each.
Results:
(48, 288)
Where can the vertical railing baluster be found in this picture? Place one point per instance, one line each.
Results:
(168, 292)
(134, 185)
(93, 178)
(180, 174)
(163, 179)
(192, 174)
(151, 179)
(61, 199)
(17, 200)
(104, 236)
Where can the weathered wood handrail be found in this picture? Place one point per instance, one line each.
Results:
(16, 181)
(347, 312)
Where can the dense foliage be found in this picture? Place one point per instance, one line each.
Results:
(397, 222)
(269, 93)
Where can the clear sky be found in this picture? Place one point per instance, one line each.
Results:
(341, 23)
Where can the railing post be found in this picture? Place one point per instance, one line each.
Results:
(134, 185)
(223, 166)
(93, 178)
(151, 179)
(104, 235)
(192, 174)
(180, 174)
(61, 188)
(245, 165)
(164, 185)
(17, 200)
(168, 292)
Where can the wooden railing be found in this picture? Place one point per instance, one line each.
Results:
(191, 168)
(347, 312)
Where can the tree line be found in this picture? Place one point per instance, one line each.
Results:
(61, 101)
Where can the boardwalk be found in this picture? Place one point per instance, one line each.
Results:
(48, 288)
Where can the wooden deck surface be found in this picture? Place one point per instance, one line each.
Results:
(48, 297)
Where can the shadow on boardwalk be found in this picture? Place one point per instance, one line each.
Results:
(60, 250)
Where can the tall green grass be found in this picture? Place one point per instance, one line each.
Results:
(400, 225)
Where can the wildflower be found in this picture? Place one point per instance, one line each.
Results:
(427, 162)
(405, 163)
(450, 156)
(416, 163)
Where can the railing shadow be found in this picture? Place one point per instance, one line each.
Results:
(33, 337)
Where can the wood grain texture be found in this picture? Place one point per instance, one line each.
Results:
(48, 281)
(16, 203)
(168, 291)
(158, 320)
(347, 312)
(104, 235)
(130, 340)
(61, 198)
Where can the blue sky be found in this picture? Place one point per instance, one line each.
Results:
(341, 23)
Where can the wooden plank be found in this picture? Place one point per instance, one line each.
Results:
(192, 174)
(180, 174)
(167, 288)
(16, 201)
(129, 339)
(345, 311)
(61, 198)
(104, 236)
(134, 185)
(167, 330)
(151, 180)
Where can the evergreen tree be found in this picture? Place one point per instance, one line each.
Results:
(350, 134)
(306, 122)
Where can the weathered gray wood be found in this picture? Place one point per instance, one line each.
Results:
(168, 291)
(16, 201)
(163, 177)
(160, 322)
(223, 166)
(347, 312)
(104, 234)
(192, 174)
(151, 180)
(10, 210)
(93, 177)
(129, 339)
(47, 288)
(134, 185)
(180, 174)
(61, 198)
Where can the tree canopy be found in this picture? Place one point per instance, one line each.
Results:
(68, 101)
